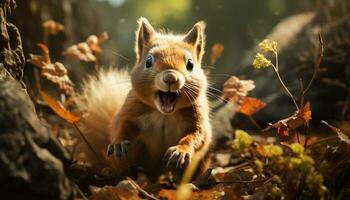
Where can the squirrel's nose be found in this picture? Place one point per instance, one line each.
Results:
(170, 78)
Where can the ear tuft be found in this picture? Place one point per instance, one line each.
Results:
(144, 34)
(196, 38)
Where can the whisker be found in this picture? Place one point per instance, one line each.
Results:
(189, 98)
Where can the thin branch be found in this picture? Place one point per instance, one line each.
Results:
(302, 99)
(317, 65)
(145, 193)
(87, 143)
(275, 67)
(254, 122)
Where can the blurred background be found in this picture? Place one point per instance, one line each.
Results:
(238, 25)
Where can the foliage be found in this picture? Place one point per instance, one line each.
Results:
(254, 166)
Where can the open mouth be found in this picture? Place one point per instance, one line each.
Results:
(167, 101)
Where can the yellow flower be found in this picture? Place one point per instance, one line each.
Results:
(268, 46)
(297, 148)
(261, 62)
(259, 165)
(273, 150)
(242, 140)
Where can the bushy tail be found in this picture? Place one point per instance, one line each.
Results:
(102, 96)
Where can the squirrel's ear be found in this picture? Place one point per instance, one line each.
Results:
(144, 34)
(196, 38)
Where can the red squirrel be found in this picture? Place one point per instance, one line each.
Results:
(157, 117)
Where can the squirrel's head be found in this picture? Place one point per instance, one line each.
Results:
(168, 75)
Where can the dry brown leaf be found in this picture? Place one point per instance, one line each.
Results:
(55, 72)
(59, 109)
(261, 149)
(87, 51)
(52, 27)
(216, 51)
(109, 192)
(58, 74)
(250, 105)
(41, 60)
(236, 89)
(167, 194)
(343, 137)
(300, 118)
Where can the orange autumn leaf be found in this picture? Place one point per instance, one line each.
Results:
(282, 130)
(300, 118)
(250, 106)
(261, 149)
(305, 113)
(167, 194)
(59, 109)
(216, 51)
(41, 60)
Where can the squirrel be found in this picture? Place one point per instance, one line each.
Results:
(156, 117)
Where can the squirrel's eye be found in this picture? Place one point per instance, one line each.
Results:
(149, 61)
(189, 64)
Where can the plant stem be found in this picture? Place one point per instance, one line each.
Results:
(254, 122)
(276, 67)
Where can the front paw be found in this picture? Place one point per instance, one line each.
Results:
(119, 150)
(179, 154)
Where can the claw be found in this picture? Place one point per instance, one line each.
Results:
(120, 150)
(110, 149)
(177, 156)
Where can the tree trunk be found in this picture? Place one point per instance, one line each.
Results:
(32, 163)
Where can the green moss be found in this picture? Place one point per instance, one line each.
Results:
(272, 150)
(242, 140)
(297, 148)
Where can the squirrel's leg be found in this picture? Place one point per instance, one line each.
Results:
(125, 147)
(181, 154)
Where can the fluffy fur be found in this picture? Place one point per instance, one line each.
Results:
(116, 114)
(102, 96)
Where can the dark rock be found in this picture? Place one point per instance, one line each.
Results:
(31, 160)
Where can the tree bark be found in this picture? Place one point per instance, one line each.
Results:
(32, 163)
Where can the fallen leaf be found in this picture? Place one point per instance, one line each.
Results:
(216, 51)
(40, 60)
(305, 113)
(300, 118)
(250, 105)
(235, 89)
(336, 130)
(167, 194)
(55, 72)
(110, 192)
(87, 51)
(59, 109)
(52, 27)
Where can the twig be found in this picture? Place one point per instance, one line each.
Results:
(307, 136)
(323, 140)
(254, 122)
(317, 66)
(275, 67)
(87, 143)
(298, 138)
(301, 92)
(150, 196)
(80, 192)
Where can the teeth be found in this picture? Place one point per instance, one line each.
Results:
(167, 100)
